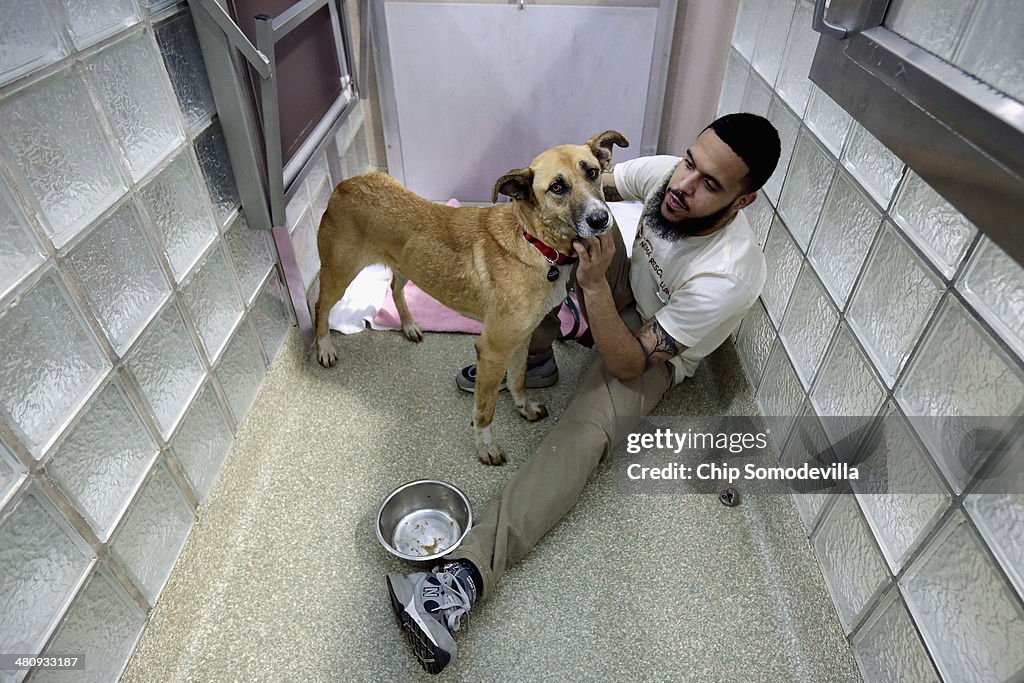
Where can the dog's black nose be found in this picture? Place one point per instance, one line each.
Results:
(598, 219)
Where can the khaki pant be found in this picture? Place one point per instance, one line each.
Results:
(543, 490)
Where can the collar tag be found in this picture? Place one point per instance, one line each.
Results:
(553, 274)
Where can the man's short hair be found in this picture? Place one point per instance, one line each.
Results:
(755, 140)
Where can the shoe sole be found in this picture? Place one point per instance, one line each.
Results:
(531, 383)
(423, 642)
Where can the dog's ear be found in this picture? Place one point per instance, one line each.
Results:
(517, 184)
(601, 146)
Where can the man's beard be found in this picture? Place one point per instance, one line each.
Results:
(672, 231)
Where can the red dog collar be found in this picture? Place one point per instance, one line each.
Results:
(550, 254)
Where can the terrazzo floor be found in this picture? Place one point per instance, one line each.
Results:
(282, 577)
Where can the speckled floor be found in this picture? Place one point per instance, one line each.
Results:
(282, 577)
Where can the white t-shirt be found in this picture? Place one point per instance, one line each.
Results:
(698, 288)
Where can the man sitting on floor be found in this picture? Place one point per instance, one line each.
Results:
(695, 270)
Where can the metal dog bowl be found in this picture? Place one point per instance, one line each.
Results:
(423, 520)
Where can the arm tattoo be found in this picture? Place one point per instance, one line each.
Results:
(663, 343)
(611, 193)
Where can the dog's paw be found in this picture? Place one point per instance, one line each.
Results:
(326, 354)
(491, 454)
(412, 332)
(533, 411)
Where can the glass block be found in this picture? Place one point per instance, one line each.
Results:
(90, 22)
(178, 207)
(757, 96)
(759, 214)
(853, 571)
(29, 39)
(148, 542)
(807, 183)
(296, 206)
(994, 283)
(213, 302)
(155, 6)
(251, 255)
(51, 362)
(968, 614)
(52, 138)
(731, 97)
(241, 371)
(356, 159)
(20, 252)
(355, 121)
(167, 369)
(11, 473)
(788, 125)
(807, 442)
(846, 394)
(771, 38)
(754, 342)
(183, 58)
(888, 649)
(939, 230)
(304, 243)
(997, 508)
(794, 85)
(959, 372)
(319, 199)
(810, 321)
(42, 565)
(319, 173)
(212, 151)
(272, 317)
(203, 442)
(103, 459)
(130, 80)
(871, 162)
(888, 325)
(828, 120)
(840, 244)
(902, 498)
(780, 395)
(748, 24)
(121, 276)
(935, 25)
(991, 49)
(784, 260)
(104, 624)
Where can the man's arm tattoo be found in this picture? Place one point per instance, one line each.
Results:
(611, 193)
(662, 343)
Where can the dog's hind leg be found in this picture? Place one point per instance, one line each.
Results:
(336, 273)
(516, 378)
(410, 329)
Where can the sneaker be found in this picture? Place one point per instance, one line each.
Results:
(539, 375)
(428, 608)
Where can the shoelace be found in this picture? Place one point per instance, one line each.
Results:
(453, 602)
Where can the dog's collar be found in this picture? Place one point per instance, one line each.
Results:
(553, 257)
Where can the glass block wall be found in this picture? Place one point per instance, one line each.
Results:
(882, 299)
(138, 316)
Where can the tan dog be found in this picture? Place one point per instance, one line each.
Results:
(475, 260)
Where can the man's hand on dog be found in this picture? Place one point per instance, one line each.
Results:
(595, 256)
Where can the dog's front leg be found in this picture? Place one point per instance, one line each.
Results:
(491, 358)
(531, 410)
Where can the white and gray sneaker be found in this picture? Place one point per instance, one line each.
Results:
(429, 608)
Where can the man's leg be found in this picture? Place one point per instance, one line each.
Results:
(544, 489)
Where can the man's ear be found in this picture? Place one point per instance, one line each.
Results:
(745, 200)
(601, 146)
(517, 184)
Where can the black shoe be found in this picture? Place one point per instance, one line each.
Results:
(539, 375)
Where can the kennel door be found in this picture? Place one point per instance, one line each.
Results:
(470, 91)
